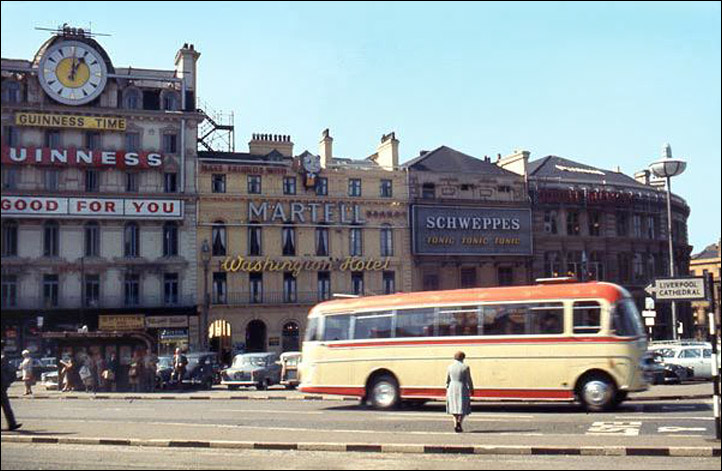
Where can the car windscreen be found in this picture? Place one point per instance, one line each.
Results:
(249, 361)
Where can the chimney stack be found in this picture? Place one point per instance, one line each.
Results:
(264, 144)
(518, 162)
(326, 148)
(388, 152)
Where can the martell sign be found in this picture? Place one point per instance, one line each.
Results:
(82, 158)
(52, 207)
(678, 289)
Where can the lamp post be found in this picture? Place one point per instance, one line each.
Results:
(667, 168)
(206, 258)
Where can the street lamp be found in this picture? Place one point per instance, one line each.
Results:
(206, 258)
(667, 168)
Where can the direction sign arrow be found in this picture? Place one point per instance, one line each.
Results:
(678, 289)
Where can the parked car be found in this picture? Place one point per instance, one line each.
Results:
(695, 357)
(667, 373)
(40, 366)
(261, 370)
(163, 372)
(289, 369)
(202, 369)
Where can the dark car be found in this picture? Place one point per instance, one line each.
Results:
(163, 372)
(253, 369)
(203, 369)
(667, 373)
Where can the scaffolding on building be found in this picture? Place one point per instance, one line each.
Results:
(216, 132)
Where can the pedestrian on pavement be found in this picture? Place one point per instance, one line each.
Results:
(179, 367)
(111, 374)
(135, 372)
(8, 376)
(459, 388)
(27, 369)
(87, 375)
(150, 364)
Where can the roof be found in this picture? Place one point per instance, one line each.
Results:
(242, 157)
(594, 290)
(564, 169)
(446, 159)
(711, 251)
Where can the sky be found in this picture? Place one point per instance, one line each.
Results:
(606, 84)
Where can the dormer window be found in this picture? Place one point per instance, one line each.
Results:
(132, 99)
(11, 91)
(171, 101)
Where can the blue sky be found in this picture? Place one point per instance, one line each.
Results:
(603, 83)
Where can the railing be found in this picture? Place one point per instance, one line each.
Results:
(104, 302)
(269, 298)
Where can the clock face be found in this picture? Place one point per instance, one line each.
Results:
(312, 163)
(72, 73)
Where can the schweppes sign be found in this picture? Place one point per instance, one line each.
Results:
(48, 120)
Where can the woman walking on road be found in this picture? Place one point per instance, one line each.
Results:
(459, 388)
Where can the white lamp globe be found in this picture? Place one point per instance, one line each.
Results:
(669, 166)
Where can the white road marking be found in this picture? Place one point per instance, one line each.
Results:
(680, 429)
(275, 412)
(660, 418)
(629, 429)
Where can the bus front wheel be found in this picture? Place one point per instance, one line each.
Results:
(598, 393)
(384, 392)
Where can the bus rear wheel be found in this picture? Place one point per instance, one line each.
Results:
(597, 393)
(384, 393)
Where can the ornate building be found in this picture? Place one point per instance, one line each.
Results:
(98, 194)
(282, 232)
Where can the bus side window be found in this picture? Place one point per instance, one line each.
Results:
(336, 328)
(505, 319)
(415, 322)
(458, 321)
(587, 317)
(546, 319)
(373, 326)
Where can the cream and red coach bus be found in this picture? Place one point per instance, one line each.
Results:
(548, 342)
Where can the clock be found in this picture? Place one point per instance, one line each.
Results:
(72, 73)
(312, 163)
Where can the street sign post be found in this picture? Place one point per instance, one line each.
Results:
(678, 289)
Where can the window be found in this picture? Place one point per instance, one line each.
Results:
(52, 179)
(356, 242)
(132, 290)
(10, 239)
(218, 237)
(289, 288)
(170, 182)
(92, 239)
(431, 281)
(170, 289)
(552, 264)
(587, 317)
(290, 336)
(9, 291)
(638, 266)
(324, 285)
(595, 224)
(651, 227)
(171, 101)
(504, 189)
(92, 290)
(624, 263)
(131, 240)
(254, 184)
(622, 225)
(92, 181)
(373, 326)
(506, 276)
(52, 138)
(170, 143)
(354, 187)
(573, 227)
(322, 186)
(289, 185)
(132, 99)
(415, 323)
(550, 222)
(219, 288)
(389, 282)
(387, 242)
(131, 182)
(92, 140)
(455, 321)
(357, 283)
(51, 288)
(11, 136)
(468, 277)
(523, 319)
(692, 353)
(256, 286)
(574, 264)
(596, 267)
(170, 239)
(255, 240)
(545, 319)
(218, 183)
(289, 241)
(387, 188)
(10, 178)
(51, 239)
(132, 141)
(428, 191)
(336, 328)
(11, 92)
(637, 226)
(322, 242)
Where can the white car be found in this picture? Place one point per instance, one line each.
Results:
(696, 357)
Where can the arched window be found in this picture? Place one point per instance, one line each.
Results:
(132, 99)
(10, 239)
(290, 337)
(171, 101)
(131, 240)
(218, 238)
(170, 239)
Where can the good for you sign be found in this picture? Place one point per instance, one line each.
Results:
(443, 230)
